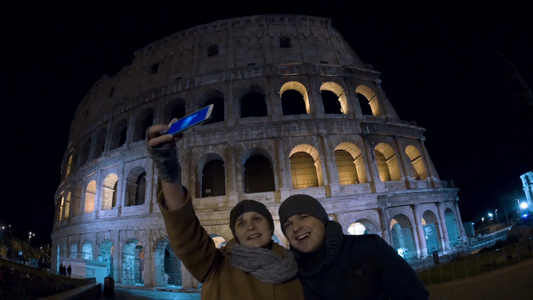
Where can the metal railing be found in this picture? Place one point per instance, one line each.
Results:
(478, 264)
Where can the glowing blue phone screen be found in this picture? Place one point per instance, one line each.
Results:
(188, 121)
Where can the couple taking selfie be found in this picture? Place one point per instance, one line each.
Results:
(322, 262)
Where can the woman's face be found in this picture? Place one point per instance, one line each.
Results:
(253, 230)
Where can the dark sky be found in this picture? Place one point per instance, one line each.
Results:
(442, 65)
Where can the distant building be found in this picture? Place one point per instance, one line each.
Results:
(527, 186)
(296, 111)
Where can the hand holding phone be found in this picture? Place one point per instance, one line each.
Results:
(195, 118)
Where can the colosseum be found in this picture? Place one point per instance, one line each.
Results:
(295, 111)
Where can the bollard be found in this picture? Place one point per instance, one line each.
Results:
(109, 286)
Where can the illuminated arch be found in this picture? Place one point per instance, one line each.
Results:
(287, 102)
(357, 161)
(387, 163)
(417, 162)
(109, 191)
(306, 170)
(402, 235)
(338, 90)
(371, 99)
(90, 197)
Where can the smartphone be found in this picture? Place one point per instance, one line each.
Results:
(190, 120)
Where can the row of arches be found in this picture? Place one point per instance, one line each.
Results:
(135, 194)
(294, 96)
(433, 232)
(258, 174)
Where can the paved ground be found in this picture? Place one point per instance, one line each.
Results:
(139, 294)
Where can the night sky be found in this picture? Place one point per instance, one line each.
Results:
(450, 67)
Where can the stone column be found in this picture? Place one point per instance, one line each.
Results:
(442, 226)
(231, 175)
(385, 232)
(422, 250)
(283, 170)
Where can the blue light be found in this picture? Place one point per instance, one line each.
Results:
(524, 216)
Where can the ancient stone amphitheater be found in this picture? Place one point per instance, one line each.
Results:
(296, 111)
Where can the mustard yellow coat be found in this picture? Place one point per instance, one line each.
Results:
(211, 267)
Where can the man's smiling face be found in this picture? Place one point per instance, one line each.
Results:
(304, 232)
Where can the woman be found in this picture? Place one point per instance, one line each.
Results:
(250, 267)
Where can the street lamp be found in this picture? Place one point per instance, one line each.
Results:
(523, 205)
(30, 235)
(496, 212)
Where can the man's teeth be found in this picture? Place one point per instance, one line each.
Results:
(301, 237)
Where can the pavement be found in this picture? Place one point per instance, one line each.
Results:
(141, 294)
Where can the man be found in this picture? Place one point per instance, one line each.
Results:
(335, 266)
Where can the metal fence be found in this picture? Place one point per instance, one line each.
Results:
(478, 264)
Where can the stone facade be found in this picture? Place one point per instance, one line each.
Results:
(296, 111)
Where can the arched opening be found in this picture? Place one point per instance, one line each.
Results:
(258, 174)
(402, 236)
(85, 151)
(368, 98)
(213, 179)
(105, 255)
(253, 104)
(387, 163)
(218, 240)
(87, 250)
(303, 171)
(346, 167)
(172, 268)
(294, 99)
(431, 231)
(109, 191)
(118, 137)
(133, 263)
(67, 205)
(73, 250)
(331, 102)
(100, 143)
(454, 237)
(417, 163)
(218, 110)
(174, 109)
(136, 187)
(293, 103)
(90, 196)
(144, 120)
(361, 227)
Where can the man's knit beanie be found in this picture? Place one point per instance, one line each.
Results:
(301, 204)
(248, 206)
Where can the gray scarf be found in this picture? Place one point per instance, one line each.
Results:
(311, 264)
(264, 264)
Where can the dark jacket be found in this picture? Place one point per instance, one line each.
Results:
(366, 267)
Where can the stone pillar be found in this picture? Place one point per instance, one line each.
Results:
(459, 220)
(231, 178)
(331, 178)
(402, 160)
(385, 232)
(283, 170)
(368, 154)
(422, 250)
(442, 226)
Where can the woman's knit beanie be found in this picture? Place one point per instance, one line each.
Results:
(301, 204)
(248, 206)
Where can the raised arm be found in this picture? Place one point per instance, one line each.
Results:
(162, 149)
